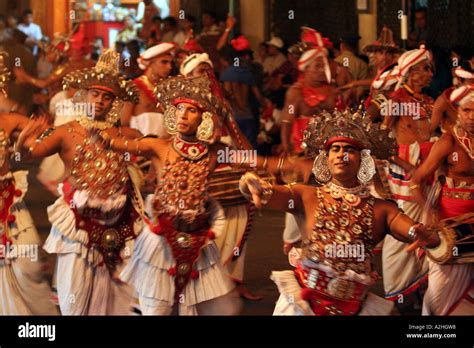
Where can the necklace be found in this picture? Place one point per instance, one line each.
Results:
(463, 139)
(88, 123)
(351, 195)
(190, 150)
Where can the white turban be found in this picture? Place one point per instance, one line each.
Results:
(309, 56)
(464, 74)
(385, 80)
(153, 52)
(410, 59)
(462, 95)
(191, 63)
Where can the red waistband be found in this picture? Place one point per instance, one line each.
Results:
(321, 295)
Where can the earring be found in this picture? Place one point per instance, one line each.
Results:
(321, 169)
(170, 120)
(206, 128)
(114, 114)
(367, 167)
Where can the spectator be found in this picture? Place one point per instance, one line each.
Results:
(359, 69)
(155, 33)
(32, 31)
(261, 53)
(129, 32)
(171, 31)
(19, 52)
(12, 22)
(188, 25)
(97, 48)
(4, 34)
(147, 10)
(131, 68)
(275, 58)
(240, 88)
(209, 36)
(420, 34)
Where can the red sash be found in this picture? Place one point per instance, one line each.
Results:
(185, 248)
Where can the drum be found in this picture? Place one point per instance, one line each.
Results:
(458, 232)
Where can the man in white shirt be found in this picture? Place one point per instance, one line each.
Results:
(32, 30)
(275, 58)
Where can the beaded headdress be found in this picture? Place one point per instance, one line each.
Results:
(4, 73)
(195, 90)
(106, 76)
(347, 126)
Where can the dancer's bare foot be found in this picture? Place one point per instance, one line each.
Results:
(246, 294)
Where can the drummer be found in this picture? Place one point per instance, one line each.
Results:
(451, 287)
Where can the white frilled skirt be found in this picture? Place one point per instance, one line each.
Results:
(24, 289)
(211, 293)
(84, 284)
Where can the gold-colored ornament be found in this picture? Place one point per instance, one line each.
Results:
(170, 120)
(206, 128)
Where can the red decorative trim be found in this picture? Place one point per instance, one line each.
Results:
(351, 141)
(185, 250)
(144, 86)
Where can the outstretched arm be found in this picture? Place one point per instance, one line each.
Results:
(261, 193)
(147, 146)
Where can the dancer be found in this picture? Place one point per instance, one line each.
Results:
(97, 217)
(343, 221)
(176, 264)
(450, 286)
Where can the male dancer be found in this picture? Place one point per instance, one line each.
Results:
(97, 217)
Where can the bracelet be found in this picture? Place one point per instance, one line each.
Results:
(413, 187)
(285, 121)
(412, 234)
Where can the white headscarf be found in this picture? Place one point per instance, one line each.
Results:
(153, 52)
(191, 63)
(410, 59)
(462, 95)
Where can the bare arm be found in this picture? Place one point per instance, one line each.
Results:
(282, 198)
(33, 142)
(438, 110)
(126, 114)
(147, 147)
(230, 23)
(288, 114)
(400, 224)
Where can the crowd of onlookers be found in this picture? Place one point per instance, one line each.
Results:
(265, 74)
